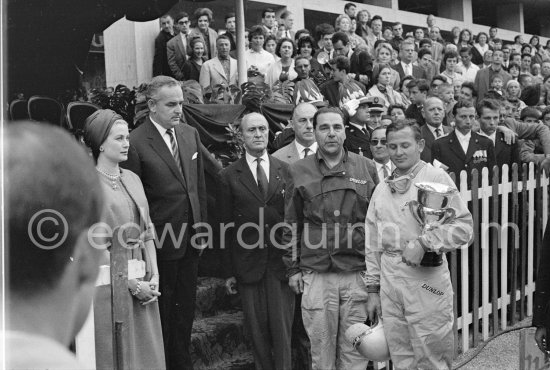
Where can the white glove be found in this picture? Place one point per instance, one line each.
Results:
(351, 107)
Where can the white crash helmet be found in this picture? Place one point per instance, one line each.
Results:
(370, 342)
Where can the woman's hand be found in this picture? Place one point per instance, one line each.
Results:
(143, 291)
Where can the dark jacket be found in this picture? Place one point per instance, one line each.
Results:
(239, 200)
(358, 142)
(448, 151)
(160, 59)
(429, 138)
(328, 209)
(175, 200)
(541, 300)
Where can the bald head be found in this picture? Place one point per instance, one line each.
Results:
(302, 123)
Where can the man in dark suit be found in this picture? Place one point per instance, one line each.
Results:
(433, 113)
(304, 143)
(361, 124)
(176, 48)
(165, 154)
(406, 67)
(160, 59)
(360, 61)
(463, 149)
(252, 193)
(484, 75)
(488, 113)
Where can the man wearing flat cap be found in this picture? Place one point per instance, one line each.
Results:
(364, 116)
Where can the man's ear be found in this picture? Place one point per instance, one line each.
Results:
(421, 145)
(152, 105)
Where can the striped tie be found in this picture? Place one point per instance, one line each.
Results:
(261, 178)
(175, 151)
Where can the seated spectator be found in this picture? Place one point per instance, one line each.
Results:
(203, 17)
(418, 92)
(513, 70)
(360, 62)
(496, 85)
(220, 70)
(382, 55)
(446, 94)
(480, 48)
(426, 62)
(270, 44)
(468, 93)
(283, 69)
(436, 82)
(306, 49)
(531, 150)
(530, 115)
(383, 87)
(256, 55)
(487, 59)
(454, 37)
(341, 88)
(343, 24)
(404, 91)
(545, 93)
(451, 72)
(396, 112)
(192, 67)
(512, 94)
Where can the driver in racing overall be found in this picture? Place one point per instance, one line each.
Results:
(408, 280)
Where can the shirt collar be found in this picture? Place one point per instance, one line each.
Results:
(336, 170)
(161, 129)
(300, 147)
(358, 126)
(492, 136)
(250, 159)
(462, 137)
(432, 129)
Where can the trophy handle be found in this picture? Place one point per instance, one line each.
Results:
(450, 215)
(417, 212)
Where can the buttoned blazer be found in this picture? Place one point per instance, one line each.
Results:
(448, 151)
(429, 139)
(248, 253)
(358, 142)
(212, 74)
(175, 200)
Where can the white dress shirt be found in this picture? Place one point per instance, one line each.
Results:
(469, 74)
(262, 59)
(312, 149)
(407, 68)
(164, 135)
(441, 132)
(253, 164)
(464, 140)
(380, 169)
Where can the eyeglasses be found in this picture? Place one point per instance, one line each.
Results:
(183, 22)
(375, 142)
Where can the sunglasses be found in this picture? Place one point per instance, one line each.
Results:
(375, 142)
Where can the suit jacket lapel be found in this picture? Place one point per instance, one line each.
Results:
(247, 179)
(274, 179)
(183, 48)
(219, 68)
(159, 146)
(185, 154)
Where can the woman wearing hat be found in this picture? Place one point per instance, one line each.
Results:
(106, 133)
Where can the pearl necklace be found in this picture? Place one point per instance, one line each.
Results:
(113, 178)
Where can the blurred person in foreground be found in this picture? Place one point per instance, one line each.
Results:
(52, 270)
(414, 299)
(107, 135)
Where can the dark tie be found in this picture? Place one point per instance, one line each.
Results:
(306, 152)
(437, 132)
(262, 178)
(175, 151)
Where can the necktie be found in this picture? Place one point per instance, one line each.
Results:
(175, 151)
(306, 152)
(262, 178)
(385, 170)
(437, 132)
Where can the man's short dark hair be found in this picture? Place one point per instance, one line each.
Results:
(285, 14)
(513, 55)
(49, 179)
(323, 29)
(377, 17)
(490, 104)
(227, 16)
(424, 41)
(326, 110)
(403, 124)
(449, 55)
(422, 84)
(341, 63)
(300, 57)
(181, 15)
(340, 36)
(439, 78)
(530, 112)
(223, 37)
(396, 106)
(526, 55)
(256, 31)
(461, 104)
(470, 85)
(465, 49)
(423, 52)
(523, 77)
(267, 10)
(349, 5)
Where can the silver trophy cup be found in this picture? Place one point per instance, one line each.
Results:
(431, 210)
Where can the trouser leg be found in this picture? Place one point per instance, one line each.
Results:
(255, 311)
(320, 310)
(353, 309)
(301, 351)
(280, 303)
